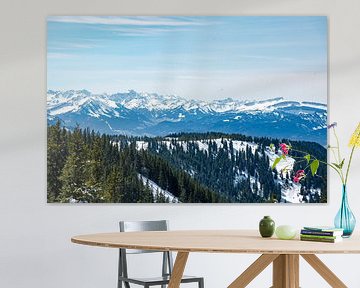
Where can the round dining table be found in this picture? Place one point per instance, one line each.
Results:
(283, 254)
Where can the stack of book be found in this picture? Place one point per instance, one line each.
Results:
(321, 234)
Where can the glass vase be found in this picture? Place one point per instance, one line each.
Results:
(345, 219)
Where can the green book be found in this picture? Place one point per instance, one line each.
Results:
(325, 240)
(319, 236)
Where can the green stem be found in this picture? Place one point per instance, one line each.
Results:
(339, 171)
(349, 164)
(338, 145)
(322, 162)
(333, 152)
(339, 154)
(336, 169)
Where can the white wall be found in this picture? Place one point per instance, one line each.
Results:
(35, 248)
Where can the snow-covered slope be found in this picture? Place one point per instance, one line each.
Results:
(158, 191)
(290, 191)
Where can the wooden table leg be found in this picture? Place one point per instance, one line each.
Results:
(279, 270)
(324, 271)
(286, 271)
(253, 270)
(293, 264)
(178, 270)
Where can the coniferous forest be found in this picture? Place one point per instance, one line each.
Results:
(88, 167)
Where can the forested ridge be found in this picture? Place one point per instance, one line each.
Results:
(85, 166)
(241, 174)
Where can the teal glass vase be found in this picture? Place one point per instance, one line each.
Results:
(345, 219)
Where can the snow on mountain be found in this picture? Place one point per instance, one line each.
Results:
(149, 101)
(284, 166)
(152, 114)
(142, 145)
(203, 145)
(157, 190)
(154, 102)
(73, 101)
(290, 191)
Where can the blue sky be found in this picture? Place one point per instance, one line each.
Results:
(205, 57)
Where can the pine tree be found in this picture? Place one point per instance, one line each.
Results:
(56, 157)
(73, 173)
(94, 164)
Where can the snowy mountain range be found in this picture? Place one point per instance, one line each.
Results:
(134, 113)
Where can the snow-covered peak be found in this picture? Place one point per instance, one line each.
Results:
(60, 102)
(150, 101)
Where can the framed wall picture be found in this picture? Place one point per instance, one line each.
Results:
(185, 109)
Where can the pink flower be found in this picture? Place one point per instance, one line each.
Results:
(284, 148)
(300, 174)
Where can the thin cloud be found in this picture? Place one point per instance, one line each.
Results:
(52, 55)
(120, 20)
(144, 31)
(73, 46)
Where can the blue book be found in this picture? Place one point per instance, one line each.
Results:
(322, 231)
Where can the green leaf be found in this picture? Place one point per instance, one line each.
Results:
(342, 163)
(272, 146)
(277, 160)
(339, 166)
(314, 167)
(307, 157)
(336, 165)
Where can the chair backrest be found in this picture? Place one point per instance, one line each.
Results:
(137, 226)
(133, 226)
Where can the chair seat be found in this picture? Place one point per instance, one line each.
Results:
(158, 280)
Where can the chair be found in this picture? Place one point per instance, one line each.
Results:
(167, 262)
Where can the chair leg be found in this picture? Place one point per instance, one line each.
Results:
(201, 283)
(164, 266)
(126, 284)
